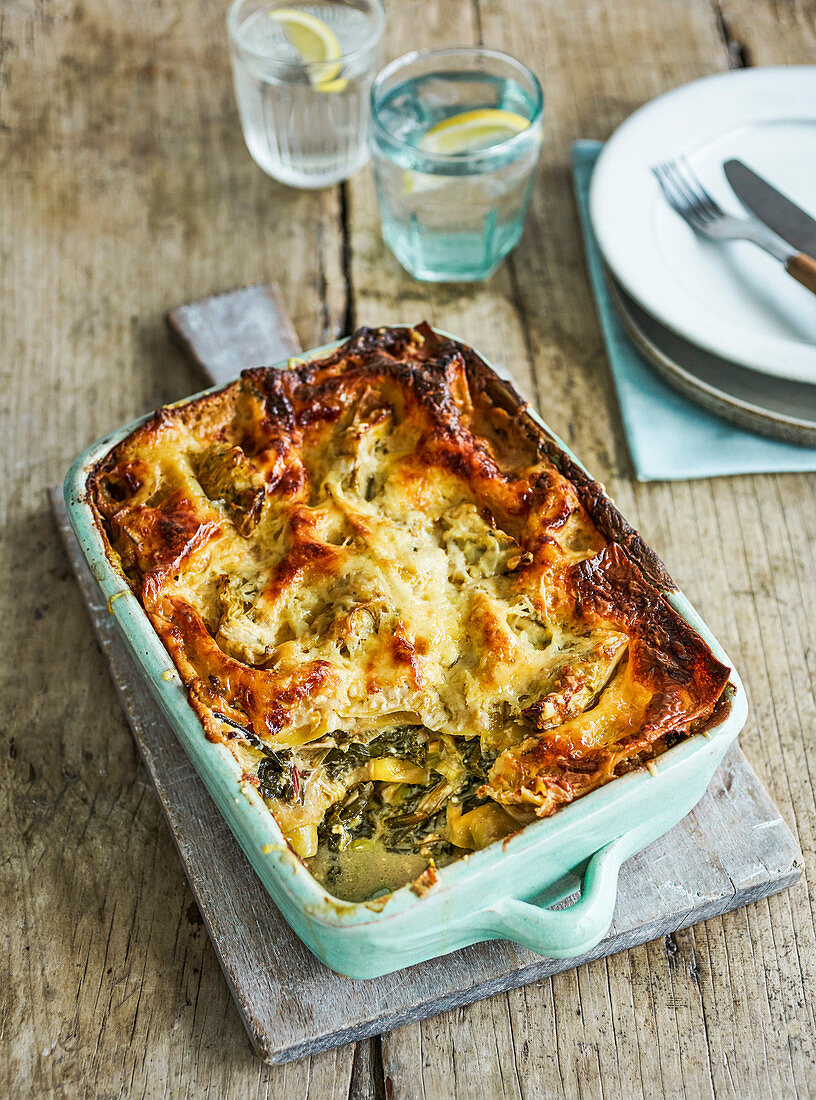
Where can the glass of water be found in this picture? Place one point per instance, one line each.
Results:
(302, 75)
(455, 139)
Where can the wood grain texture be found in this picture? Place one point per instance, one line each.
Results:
(733, 849)
(126, 189)
(722, 1009)
(227, 333)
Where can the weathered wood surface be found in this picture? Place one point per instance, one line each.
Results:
(733, 849)
(259, 328)
(125, 189)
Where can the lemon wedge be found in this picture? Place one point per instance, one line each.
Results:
(317, 45)
(471, 131)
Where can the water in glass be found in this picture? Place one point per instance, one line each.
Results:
(452, 218)
(305, 124)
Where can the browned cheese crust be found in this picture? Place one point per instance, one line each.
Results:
(385, 535)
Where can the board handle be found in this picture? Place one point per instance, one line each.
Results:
(565, 933)
(231, 332)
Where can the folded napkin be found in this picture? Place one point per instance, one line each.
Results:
(670, 438)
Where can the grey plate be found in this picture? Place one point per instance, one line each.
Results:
(760, 403)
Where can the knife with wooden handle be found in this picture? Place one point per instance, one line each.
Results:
(803, 269)
(781, 215)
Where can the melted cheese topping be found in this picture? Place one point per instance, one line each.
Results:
(380, 538)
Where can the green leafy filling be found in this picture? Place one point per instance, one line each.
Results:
(404, 742)
(403, 817)
(275, 774)
(407, 817)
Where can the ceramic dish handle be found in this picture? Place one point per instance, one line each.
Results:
(565, 933)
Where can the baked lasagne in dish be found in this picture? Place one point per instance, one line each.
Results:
(413, 620)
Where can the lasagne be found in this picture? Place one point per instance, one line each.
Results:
(415, 623)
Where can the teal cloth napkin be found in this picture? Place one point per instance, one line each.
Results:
(670, 438)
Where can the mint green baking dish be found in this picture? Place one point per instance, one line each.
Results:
(502, 892)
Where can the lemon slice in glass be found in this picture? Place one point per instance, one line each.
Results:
(317, 45)
(472, 131)
(467, 132)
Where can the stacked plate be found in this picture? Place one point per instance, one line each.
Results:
(722, 322)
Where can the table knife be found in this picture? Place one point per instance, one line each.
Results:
(780, 214)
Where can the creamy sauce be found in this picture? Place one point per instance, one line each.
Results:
(357, 873)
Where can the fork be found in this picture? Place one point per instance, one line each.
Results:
(687, 196)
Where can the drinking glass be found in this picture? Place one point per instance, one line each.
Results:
(455, 139)
(305, 120)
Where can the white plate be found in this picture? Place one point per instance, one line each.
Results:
(773, 407)
(730, 299)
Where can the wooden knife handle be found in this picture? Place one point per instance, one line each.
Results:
(803, 269)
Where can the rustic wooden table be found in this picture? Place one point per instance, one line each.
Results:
(126, 189)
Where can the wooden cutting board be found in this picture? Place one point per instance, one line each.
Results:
(733, 849)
